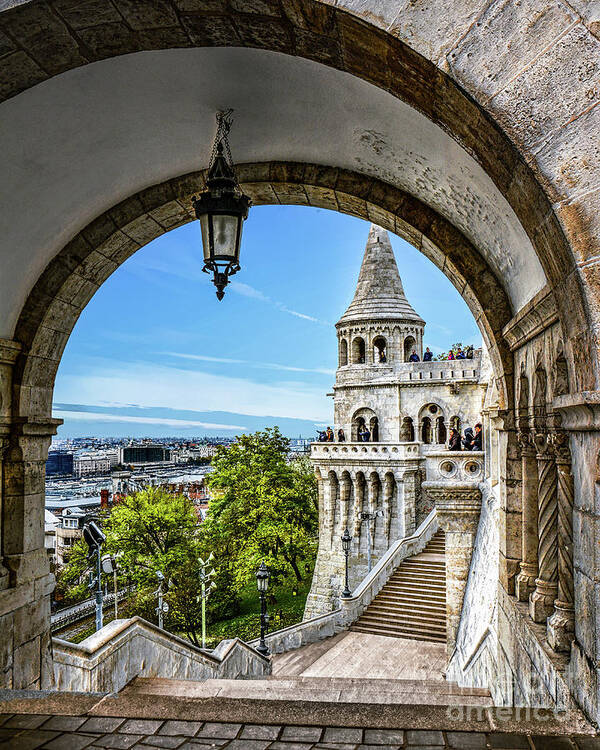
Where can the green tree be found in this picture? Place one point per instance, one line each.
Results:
(264, 507)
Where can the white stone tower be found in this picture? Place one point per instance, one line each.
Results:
(408, 409)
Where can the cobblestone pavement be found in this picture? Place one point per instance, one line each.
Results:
(31, 731)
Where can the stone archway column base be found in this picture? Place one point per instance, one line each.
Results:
(458, 507)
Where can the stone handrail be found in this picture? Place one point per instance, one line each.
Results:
(372, 584)
(124, 649)
(324, 626)
(380, 451)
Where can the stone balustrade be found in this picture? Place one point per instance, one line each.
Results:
(359, 451)
(456, 370)
(124, 649)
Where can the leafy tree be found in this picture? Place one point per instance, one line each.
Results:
(264, 507)
(71, 582)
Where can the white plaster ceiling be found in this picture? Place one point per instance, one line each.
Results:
(79, 143)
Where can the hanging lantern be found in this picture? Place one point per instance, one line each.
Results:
(221, 210)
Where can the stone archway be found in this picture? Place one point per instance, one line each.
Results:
(553, 206)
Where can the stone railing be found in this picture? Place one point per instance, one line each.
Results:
(324, 626)
(358, 451)
(455, 466)
(124, 649)
(454, 370)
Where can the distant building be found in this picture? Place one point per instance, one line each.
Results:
(143, 454)
(59, 462)
(95, 462)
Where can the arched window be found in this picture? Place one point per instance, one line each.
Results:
(441, 430)
(364, 421)
(343, 352)
(426, 431)
(358, 351)
(409, 346)
(455, 424)
(407, 431)
(380, 355)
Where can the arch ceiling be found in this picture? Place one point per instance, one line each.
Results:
(530, 70)
(114, 127)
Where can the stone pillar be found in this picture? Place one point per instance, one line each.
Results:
(345, 485)
(525, 583)
(411, 481)
(388, 495)
(457, 507)
(561, 625)
(359, 496)
(330, 504)
(541, 602)
(373, 505)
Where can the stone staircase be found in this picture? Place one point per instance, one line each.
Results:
(412, 604)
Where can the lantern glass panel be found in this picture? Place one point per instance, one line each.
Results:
(204, 219)
(225, 228)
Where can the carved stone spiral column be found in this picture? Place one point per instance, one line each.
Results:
(388, 494)
(525, 583)
(345, 486)
(541, 602)
(561, 625)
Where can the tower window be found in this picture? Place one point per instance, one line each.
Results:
(380, 354)
(358, 351)
(343, 352)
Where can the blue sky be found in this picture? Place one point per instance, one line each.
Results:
(156, 353)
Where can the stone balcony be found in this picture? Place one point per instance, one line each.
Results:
(359, 452)
(419, 373)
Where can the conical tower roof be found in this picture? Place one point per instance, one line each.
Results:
(379, 293)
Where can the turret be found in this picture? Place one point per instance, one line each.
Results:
(379, 326)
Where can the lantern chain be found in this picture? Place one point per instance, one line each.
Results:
(224, 121)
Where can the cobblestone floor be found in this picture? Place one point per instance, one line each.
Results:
(31, 731)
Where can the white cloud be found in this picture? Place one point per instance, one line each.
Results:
(92, 416)
(259, 365)
(161, 386)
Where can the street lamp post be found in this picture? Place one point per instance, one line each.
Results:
(208, 585)
(163, 607)
(95, 538)
(262, 583)
(346, 542)
(367, 517)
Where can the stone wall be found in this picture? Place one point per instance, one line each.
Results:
(124, 649)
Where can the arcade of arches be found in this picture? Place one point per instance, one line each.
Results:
(470, 130)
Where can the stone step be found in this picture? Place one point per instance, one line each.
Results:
(435, 581)
(409, 633)
(428, 587)
(311, 689)
(412, 592)
(385, 606)
(432, 624)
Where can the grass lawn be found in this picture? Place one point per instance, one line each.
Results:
(287, 610)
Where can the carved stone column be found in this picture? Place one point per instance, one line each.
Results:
(525, 583)
(561, 625)
(541, 602)
(458, 507)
